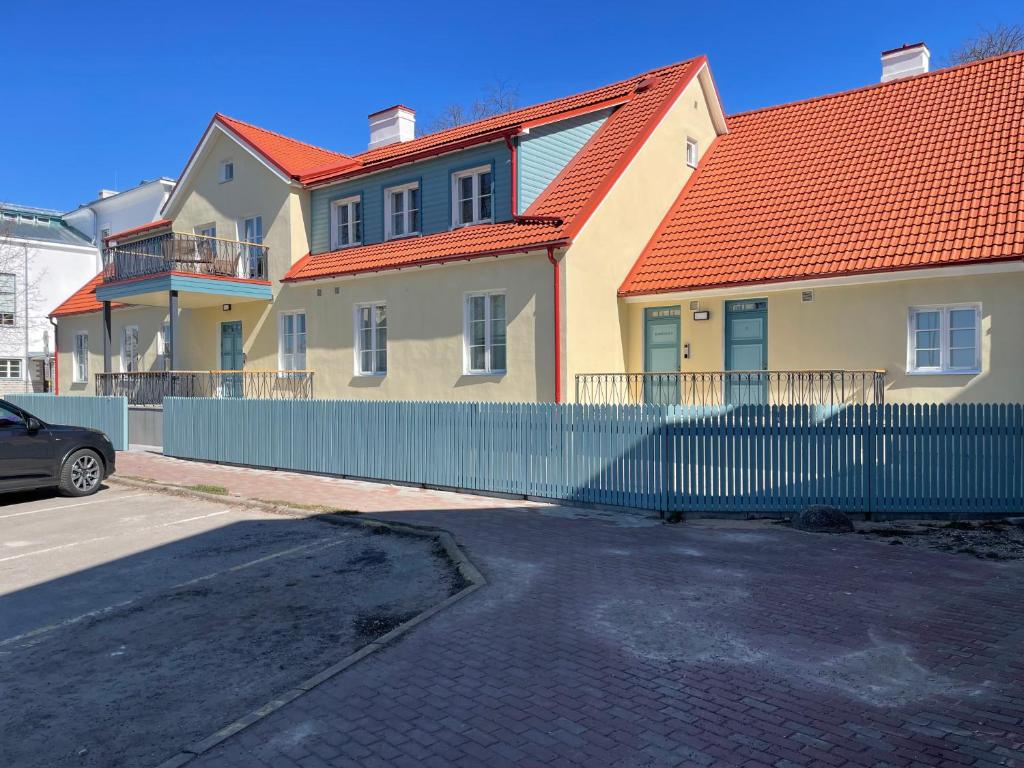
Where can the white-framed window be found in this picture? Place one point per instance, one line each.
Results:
(252, 265)
(944, 339)
(402, 210)
(130, 349)
(163, 345)
(692, 152)
(371, 342)
(347, 222)
(10, 368)
(227, 171)
(472, 196)
(291, 342)
(80, 374)
(8, 298)
(485, 341)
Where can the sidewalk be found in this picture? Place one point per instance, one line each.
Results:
(294, 488)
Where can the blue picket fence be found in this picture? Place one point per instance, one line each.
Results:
(945, 459)
(109, 414)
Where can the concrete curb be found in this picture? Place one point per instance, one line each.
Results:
(464, 565)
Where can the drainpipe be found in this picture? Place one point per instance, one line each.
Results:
(558, 325)
(56, 359)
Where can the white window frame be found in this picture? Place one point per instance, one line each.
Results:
(692, 152)
(405, 189)
(488, 369)
(227, 171)
(138, 352)
(475, 173)
(162, 338)
(357, 350)
(944, 367)
(80, 352)
(11, 368)
(283, 363)
(348, 202)
(9, 316)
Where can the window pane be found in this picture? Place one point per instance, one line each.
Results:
(476, 358)
(357, 223)
(927, 358)
(300, 323)
(466, 188)
(397, 224)
(476, 332)
(414, 210)
(498, 357)
(364, 317)
(962, 358)
(962, 338)
(382, 361)
(380, 312)
(466, 212)
(476, 307)
(927, 339)
(961, 318)
(498, 305)
(498, 330)
(366, 339)
(485, 195)
(926, 320)
(366, 361)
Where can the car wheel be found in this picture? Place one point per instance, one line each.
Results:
(81, 474)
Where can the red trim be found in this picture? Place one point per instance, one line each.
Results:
(388, 109)
(556, 289)
(136, 230)
(424, 262)
(819, 276)
(595, 199)
(56, 362)
(511, 144)
(668, 214)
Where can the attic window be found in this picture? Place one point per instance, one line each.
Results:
(227, 171)
(692, 152)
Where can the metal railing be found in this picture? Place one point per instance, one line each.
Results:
(180, 252)
(151, 387)
(718, 388)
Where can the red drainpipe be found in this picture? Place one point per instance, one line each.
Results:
(558, 326)
(56, 360)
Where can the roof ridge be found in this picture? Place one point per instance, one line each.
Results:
(873, 86)
(623, 82)
(222, 117)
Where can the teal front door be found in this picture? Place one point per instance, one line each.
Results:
(231, 358)
(661, 355)
(746, 352)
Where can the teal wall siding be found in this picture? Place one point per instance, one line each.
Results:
(108, 414)
(434, 176)
(947, 459)
(546, 150)
(217, 286)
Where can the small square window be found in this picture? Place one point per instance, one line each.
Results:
(944, 339)
(227, 171)
(692, 152)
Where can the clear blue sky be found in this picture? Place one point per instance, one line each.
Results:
(104, 94)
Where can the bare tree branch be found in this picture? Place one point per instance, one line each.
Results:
(497, 99)
(990, 42)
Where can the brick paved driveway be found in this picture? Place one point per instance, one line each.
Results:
(647, 645)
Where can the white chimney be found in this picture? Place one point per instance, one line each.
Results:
(906, 61)
(393, 124)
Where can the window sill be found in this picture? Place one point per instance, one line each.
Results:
(343, 247)
(492, 374)
(955, 372)
(409, 236)
(472, 223)
(361, 375)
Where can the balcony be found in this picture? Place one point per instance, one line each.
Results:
(724, 388)
(184, 254)
(151, 387)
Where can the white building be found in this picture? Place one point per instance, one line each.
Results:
(45, 256)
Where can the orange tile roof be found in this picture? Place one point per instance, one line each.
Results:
(83, 300)
(569, 199)
(920, 172)
(292, 157)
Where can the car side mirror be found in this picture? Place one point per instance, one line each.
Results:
(33, 425)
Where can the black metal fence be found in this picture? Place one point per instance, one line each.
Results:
(180, 252)
(151, 387)
(717, 388)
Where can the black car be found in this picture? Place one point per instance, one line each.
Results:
(34, 454)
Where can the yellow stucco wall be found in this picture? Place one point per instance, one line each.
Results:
(254, 191)
(864, 327)
(603, 253)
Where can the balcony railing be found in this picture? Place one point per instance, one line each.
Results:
(718, 388)
(151, 387)
(180, 252)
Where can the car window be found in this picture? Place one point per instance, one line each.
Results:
(9, 418)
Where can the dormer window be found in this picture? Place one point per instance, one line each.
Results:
(227, 171)
(402, 210)
(692, 152)
(346, 222)
(472, 196)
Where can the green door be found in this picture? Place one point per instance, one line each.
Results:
(746, 351)
(231, 358)
(661, 355)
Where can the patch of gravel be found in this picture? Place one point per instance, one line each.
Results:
(987, 539)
